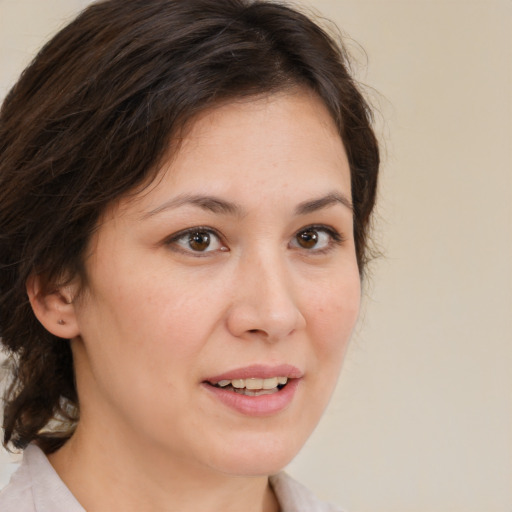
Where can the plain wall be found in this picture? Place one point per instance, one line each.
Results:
(422, 417)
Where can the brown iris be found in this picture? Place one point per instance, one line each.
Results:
(307, 239)
(199, 241)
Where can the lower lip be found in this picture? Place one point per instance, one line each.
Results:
(262, 405)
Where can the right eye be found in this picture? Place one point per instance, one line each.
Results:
(197, 240)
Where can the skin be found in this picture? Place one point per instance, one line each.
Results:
(157, 318)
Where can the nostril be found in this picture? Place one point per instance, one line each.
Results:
(256, 319)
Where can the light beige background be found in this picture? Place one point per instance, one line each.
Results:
(422, 418)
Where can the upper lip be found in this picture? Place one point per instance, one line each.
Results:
(258, 371)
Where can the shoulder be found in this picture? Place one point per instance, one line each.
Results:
(17, 495)
(294, 497)
(35, 486)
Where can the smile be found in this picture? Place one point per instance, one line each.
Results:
(253, 386)
(257, 390)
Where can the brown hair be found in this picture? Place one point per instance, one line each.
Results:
(91, 118)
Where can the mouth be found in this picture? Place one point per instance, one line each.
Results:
(253, 386)
(258, 390)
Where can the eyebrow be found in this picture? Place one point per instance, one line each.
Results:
(217, 205)
(323, 202)
(210, 203)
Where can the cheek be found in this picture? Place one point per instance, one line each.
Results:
(166, 318)
(139, 335)
(333, 314)
(334, 311)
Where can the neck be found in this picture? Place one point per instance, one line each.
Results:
(109, 474)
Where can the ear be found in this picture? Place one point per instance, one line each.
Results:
(54, 309)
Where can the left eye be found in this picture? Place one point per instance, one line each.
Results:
(315, 238)
(199, 241)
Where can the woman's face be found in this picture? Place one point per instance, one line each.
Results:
(234, 272)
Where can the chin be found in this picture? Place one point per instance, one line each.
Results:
(257, 457)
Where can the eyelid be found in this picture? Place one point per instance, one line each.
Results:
(171, 240)
(337, 238)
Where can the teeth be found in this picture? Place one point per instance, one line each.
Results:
(254, 383)
(258, 392)
(269, 383)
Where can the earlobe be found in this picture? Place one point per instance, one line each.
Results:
(54, 309)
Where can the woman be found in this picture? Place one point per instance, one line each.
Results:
(185, 194)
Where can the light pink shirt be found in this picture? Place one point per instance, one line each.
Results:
(36, 487)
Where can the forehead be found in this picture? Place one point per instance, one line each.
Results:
(272, 147)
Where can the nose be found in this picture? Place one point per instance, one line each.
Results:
(264, 303)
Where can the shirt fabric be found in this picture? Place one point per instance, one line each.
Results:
(36, 487)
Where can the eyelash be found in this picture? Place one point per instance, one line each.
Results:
(172, 242)
(335, 238)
